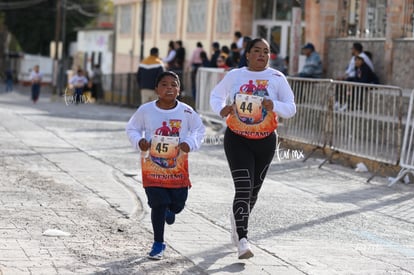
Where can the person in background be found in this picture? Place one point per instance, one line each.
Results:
(238, 39)
(148, 71)
(258, 94)
(243, 60)
(196, 62)
(170, 58)
(216, 53)
(234, 57)
(356, 50)
(36, 80)
(97, 91)
(9, 80)
(204, 59)
(221, 63)
(165, 131)
(79, 82)
(313, 63)
(276, 62)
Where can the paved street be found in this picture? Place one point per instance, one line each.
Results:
(71, 168)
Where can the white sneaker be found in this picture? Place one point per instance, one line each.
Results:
(244, 249)
(234, 235)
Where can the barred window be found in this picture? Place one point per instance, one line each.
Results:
(196, 16)
(168, 16)
(375, 18)
(125, 19)
(223, 16)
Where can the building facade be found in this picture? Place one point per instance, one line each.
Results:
(384, 27)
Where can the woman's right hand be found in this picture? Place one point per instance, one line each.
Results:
(227, 110)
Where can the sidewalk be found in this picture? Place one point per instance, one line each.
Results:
(72, 169)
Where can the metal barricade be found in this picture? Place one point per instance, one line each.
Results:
(206, 80)
(310, 124)
(367, 120)
(407, 150)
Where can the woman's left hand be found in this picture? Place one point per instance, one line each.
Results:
(184, 147)
(267, 104)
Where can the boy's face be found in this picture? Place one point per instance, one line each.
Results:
(167, 89)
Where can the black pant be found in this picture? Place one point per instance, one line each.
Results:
(249, 161)
(160, 199)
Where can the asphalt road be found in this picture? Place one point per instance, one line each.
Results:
(307, 220)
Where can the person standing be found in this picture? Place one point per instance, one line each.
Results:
(78, 81)
(215, 54)
(313, 63)
(9, 80)
(258, 94)
(97, 91)
(196, 63)
(148, 71)
(165, 131)
(36, 79)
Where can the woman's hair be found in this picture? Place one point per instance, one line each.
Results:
(167, 73)
(253, 42)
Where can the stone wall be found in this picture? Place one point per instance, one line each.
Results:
(339, 54)
(403, 63)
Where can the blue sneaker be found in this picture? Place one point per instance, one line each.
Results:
(157, 251)
(169, 217)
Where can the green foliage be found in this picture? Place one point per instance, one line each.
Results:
(34, 26)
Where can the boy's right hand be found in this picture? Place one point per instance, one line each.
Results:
(143, 144)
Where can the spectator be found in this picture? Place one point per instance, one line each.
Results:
(170, 58)
(243, 59)
(204, 59)
(97, 91)
(221, 63)
(313, 63)
(147, 73)
(238, 39)
(196, 62)
(363, 74)
(79, 82)
(357, 49)
(9, 80)
(36, 79)
(215, 55)
(276, 62)
(234, 57)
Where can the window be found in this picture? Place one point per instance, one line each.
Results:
(375, 18)
(125, 19)
(276, 9)
(223, 16)
(168, 16)
(196, 16)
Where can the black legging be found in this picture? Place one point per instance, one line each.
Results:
(249, 160)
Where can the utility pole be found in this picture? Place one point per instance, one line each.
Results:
(63, 55)
(144, 4)
(56, 55)
(295, 38)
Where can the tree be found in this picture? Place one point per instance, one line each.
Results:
(33, 24)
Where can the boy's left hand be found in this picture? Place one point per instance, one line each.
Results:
(184, 147)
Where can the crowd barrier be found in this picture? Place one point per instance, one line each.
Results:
(363, 120)
(206, 79)
(407, 152)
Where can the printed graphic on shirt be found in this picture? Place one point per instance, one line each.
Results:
(251, 120)
(165, 165)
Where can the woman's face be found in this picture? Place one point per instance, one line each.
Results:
(358, 62)
(258, 56)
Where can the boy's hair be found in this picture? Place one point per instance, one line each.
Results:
(167, 73)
